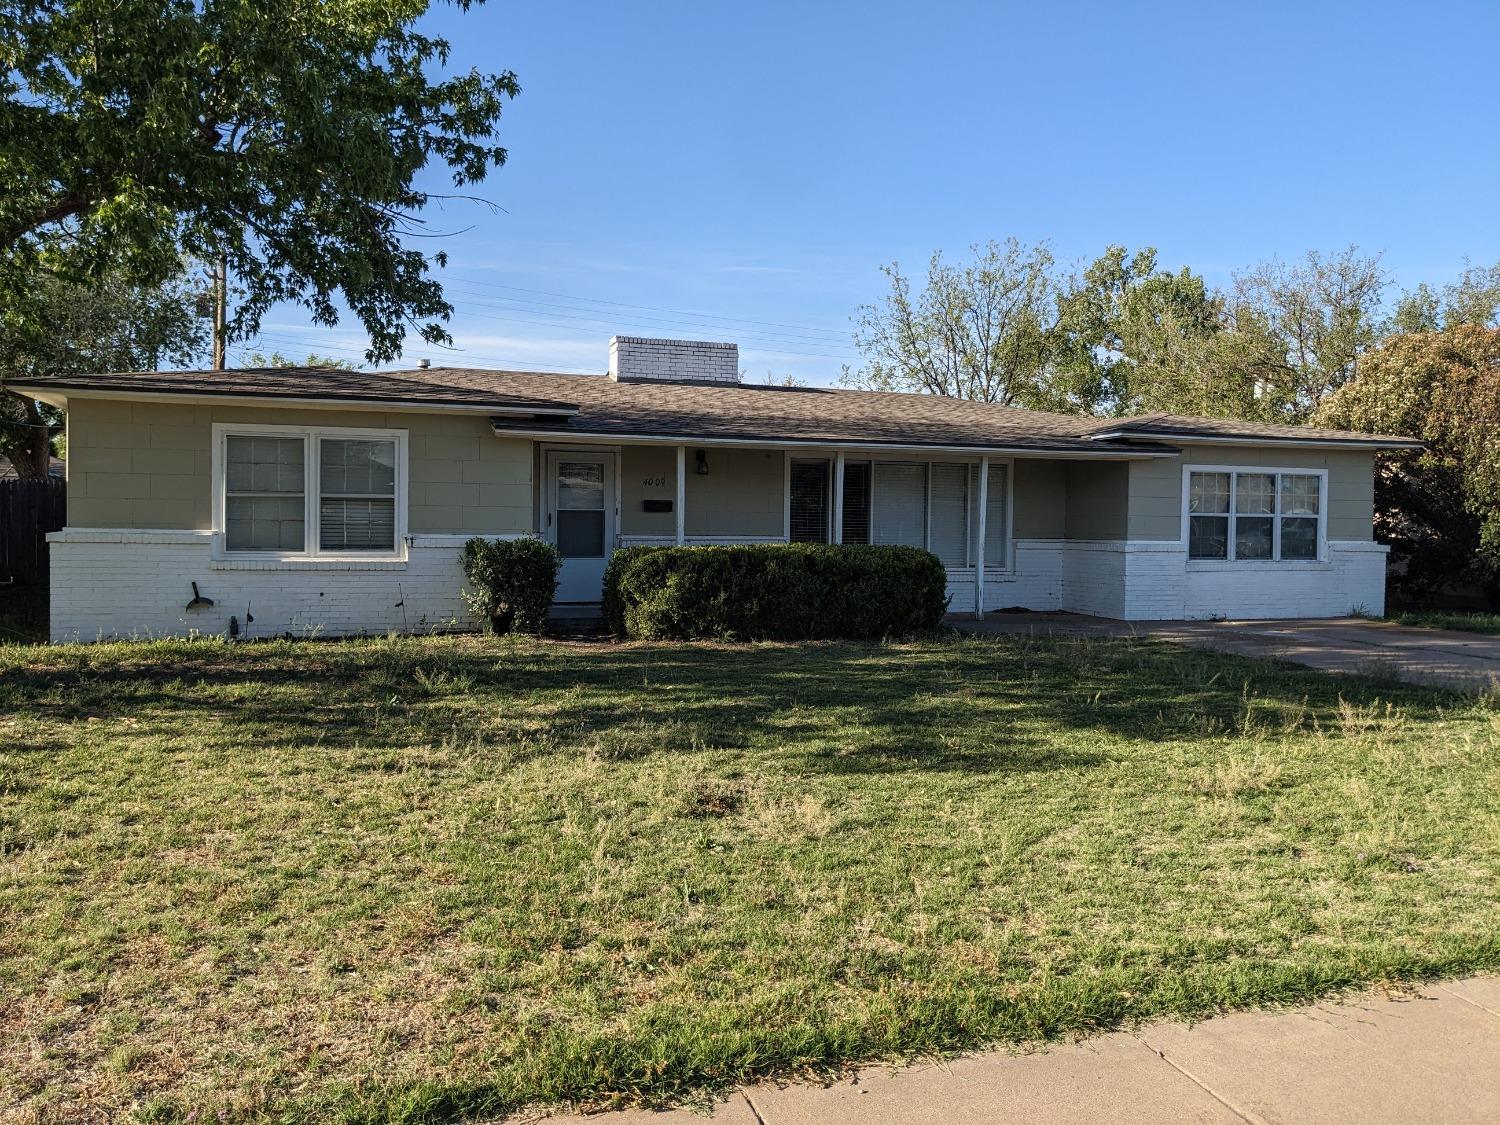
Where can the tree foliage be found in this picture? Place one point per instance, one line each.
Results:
(284, 136)
(1472, 299)
(1142, 339)
(61, 328)
(276, 359)
(1319, 316)
(980, 330)
(1439, 509)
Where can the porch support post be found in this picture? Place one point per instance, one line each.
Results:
(838, 498)
(984, 504)
(680, 506)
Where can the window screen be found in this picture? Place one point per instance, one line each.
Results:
(580, 509)
(1208, 516)
(809, 502)
(1253, 515)
(856, 501)
(898, 505)
(1255, 518)
(357, 495)
(950, 514)
(264, 482)
(1300, 499)
(995, 514)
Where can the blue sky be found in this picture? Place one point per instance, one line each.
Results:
(740, 172)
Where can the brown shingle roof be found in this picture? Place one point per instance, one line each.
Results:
(531, 401)
(1183, 426)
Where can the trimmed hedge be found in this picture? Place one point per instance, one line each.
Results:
(779, 591)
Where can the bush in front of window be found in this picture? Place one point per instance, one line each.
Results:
(511, 582)
(776, 591)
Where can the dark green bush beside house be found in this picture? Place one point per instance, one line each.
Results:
(780, 591)
(512, 581)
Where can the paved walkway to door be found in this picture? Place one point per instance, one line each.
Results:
(1441, 657)
(1429, 1054)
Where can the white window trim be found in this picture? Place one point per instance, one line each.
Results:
(1008, 463)
(1278, 471)
(311, 436)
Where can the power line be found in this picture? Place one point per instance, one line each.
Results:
(782, 347)
(649, 308)
(612, 319)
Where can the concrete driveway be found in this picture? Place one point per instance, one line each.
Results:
(1438, 657)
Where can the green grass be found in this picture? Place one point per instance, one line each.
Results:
(1468, 622)
(418, 879)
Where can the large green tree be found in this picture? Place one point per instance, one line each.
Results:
(283, 136)
(65, 328)
(981, 329)
(1320, 314)
(1474, 298)
(1140, 339)
(1440, 508)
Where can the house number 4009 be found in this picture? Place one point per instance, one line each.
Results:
(655, 482)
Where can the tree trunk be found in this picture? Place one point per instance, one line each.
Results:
(32, 456)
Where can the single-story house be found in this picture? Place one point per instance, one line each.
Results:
(310, 500)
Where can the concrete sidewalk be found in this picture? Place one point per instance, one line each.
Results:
(1437, 657)
(1431, 1054)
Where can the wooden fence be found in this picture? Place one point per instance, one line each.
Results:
(28, 510)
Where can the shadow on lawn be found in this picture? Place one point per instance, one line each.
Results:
(980, 705)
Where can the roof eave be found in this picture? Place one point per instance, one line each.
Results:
(57, 394)
(1189, 438)
(765, 441)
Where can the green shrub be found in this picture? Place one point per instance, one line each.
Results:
(782, 591)
(511, 581)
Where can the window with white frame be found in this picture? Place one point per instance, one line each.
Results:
(1252, 514)
(313, 491)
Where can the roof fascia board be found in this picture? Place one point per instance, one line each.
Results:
(801, 443)
(1222, 439)
(58, 396)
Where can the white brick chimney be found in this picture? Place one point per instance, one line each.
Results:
(641, 359)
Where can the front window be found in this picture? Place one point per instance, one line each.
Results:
(357, 495)
(809, 502)
(919, 504)
(265, 505)
(1253, 514)
(310, 491)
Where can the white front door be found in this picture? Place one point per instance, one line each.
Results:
(580, 520)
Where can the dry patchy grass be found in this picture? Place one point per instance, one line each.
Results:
(423, 879)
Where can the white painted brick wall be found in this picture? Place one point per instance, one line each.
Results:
(138, 584)
(1152, 581)
(694, 361)
(1352, 580)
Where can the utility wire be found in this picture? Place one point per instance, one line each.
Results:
(650, 308)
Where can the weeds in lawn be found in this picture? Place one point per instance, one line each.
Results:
(422, 879)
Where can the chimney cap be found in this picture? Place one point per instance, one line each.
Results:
(424, 364)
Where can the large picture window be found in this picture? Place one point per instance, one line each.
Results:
(1254, 514)
(293, 491)
(932, 505)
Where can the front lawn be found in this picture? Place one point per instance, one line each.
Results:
(418, 879)
(1467, 622)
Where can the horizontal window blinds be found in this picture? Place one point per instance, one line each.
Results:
(809, 502)
(357, 499)
(950, 514)
(898, 505)
(996, 517)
